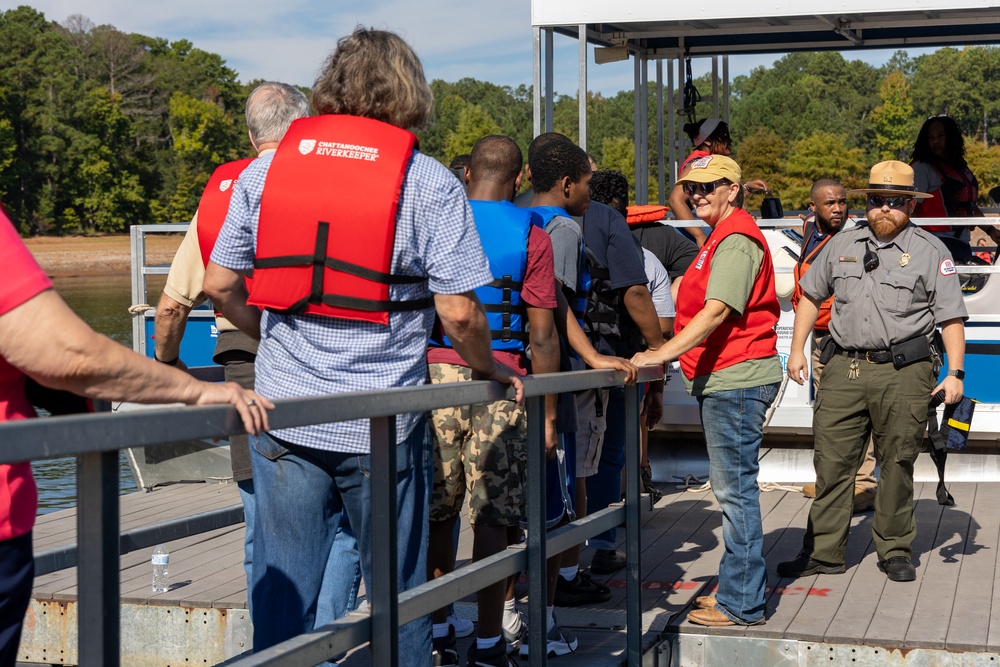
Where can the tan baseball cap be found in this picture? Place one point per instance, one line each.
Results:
(711, 168)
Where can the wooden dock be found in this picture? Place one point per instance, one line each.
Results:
(954, 606)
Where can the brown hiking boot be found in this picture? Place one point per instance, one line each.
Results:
(809, 490)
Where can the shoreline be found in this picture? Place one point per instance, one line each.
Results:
(111, 255)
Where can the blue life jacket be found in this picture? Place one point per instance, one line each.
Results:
(579, 304)
(503, 230)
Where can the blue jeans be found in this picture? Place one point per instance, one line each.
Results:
(302, 496)
(733, 422)
(605, 487)
(249, 511)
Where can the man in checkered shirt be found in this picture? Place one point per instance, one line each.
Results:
(308, 476)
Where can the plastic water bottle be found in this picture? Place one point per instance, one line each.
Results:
(161, 576)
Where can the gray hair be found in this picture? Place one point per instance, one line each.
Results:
(271, 108)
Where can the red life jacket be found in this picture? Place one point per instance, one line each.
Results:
(214, 204)
(328, 220)
(805, 261)
(750, 336)
(962, 191)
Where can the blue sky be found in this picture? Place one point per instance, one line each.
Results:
(288, 41)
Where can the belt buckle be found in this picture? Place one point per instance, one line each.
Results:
(868, 357)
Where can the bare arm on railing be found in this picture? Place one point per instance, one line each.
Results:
(182, 292)
(698, 329)
(170, 323)
(228, 291)
(464, 323)
(578, 341)
(544, 341)
(46, 340)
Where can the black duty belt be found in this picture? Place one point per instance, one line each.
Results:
(871, 356)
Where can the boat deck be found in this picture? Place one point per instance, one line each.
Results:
(954, 605)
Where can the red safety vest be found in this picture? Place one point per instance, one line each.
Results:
(750, 336)
(214, 206)
(963, 202)
(328, 220)
(823, 318)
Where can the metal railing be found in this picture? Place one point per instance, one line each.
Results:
(96, 439)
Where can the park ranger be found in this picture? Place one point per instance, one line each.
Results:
(892, 283)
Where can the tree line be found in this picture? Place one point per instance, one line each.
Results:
(100, 129)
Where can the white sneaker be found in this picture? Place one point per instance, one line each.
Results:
(514, 639)
(558, 642)
(463, 627)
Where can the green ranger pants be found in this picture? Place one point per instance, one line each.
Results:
(891, 406)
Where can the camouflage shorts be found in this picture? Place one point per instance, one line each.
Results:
(481, 448)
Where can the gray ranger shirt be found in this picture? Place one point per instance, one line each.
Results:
(914, 288)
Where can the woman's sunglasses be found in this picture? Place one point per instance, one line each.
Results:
(878, 201)
(690, 189)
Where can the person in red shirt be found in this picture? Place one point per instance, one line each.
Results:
(480, 450)
(42, 339)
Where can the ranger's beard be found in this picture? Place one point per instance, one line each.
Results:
(883, 224)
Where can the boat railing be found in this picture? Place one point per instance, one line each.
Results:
(95, 440)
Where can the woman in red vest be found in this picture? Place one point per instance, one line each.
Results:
(725, 340)
(709, 136)
(939, 167)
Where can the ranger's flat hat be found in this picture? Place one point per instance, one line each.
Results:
(891, 177)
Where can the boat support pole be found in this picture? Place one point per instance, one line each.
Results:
(536, 81)
(582, 94)
(549, 78)
(661, 185)
(636, 127)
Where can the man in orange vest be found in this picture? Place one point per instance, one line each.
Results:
(270, 109)
(829, 203)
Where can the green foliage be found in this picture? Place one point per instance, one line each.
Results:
(473, 124)
(821, 155)
(88, 140)
(100, 129)
(893, 122)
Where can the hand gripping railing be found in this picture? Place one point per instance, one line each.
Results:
(96, 439)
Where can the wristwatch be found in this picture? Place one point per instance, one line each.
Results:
(958, 373)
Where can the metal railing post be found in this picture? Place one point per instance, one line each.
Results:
(97, 574)
(384, 583)
(633, 545)
(537, 616)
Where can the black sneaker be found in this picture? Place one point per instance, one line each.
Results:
(445, 654)
(804, 566)
(495, 656)
(582, 590)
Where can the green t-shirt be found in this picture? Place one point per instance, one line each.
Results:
(734, 267)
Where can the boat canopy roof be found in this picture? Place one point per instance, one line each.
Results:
(658, 29)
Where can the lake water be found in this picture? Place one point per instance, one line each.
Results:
(102, 302)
